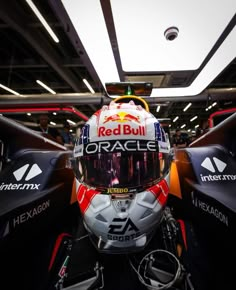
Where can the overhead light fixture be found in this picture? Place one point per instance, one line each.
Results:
(175, 119)
(215, 103)
(194, 118)
(186, 108)
(46, 87)
(88, 86)
(184, 125)
(53, 123)
(158, 109)
(91, 33)
(71, 122)
(9, 90)
(28, 114)
(42, 20)
(211, 106)
(196, 126)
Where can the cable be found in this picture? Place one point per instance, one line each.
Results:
(81, 238)
(163, 286)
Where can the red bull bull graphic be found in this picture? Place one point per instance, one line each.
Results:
(122, 117)
(121, 129)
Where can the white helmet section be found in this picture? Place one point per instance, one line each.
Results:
(121, 121)
(119, 219)
(123, 225)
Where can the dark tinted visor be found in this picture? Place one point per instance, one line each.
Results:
(133, 171)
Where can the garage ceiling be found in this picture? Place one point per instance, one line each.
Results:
(111, 41)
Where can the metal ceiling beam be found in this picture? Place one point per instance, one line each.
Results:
(31, 63)
(214, 93)
(49, 99)
(96, 99)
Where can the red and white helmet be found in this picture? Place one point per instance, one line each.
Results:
(122, 167)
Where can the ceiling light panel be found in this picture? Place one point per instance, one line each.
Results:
(140, 28)
(143, 46)
(175, 119)
(42, 20)
(94, 36)
(194, 118)
(219, 61)
(89, 86)
(188, 106)
(45, 87)
(9, 90)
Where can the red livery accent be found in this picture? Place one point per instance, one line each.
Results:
(84, 197)
(98, 112)
(121, 130)
(183, 232)
(160, 190)
(56, 248)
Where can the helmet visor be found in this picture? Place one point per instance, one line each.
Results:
(131, 171)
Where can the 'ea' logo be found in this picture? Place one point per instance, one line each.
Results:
(121, 226)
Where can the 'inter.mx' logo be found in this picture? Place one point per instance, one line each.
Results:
(214, 164)
(121, 226)
(33, 171)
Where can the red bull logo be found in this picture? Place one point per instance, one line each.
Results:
(122, 117)
(121, 129)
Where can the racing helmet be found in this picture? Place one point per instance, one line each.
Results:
(121, 163)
